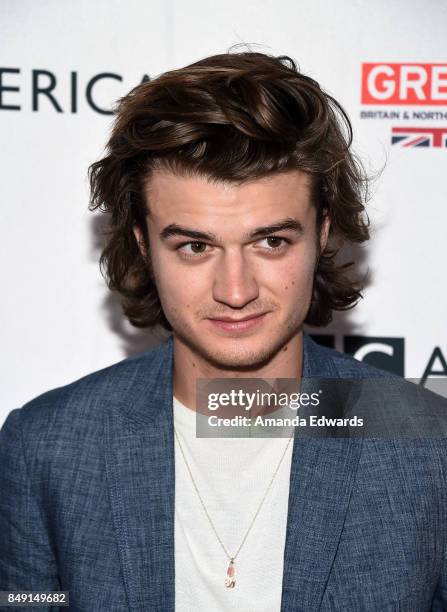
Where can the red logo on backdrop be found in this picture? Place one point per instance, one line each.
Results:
(412, 84)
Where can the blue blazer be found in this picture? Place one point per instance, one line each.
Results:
(87, 501)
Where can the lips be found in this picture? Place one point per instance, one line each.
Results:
(237, 325)
(231, 320)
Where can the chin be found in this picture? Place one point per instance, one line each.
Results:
(242, 353)
(238, 358)
(237, 362)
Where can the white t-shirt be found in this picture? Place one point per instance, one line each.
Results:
(232, 475)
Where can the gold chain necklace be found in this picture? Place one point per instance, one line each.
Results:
(230, 580)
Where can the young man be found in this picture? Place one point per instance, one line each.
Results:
(231, 188)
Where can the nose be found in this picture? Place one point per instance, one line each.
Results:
(234, 284)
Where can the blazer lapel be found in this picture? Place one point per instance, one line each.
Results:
(140, 469)
(141, 476)
(321, 479)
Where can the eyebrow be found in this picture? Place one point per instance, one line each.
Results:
(279, 226)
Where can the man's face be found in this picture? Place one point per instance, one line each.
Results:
(233, 264)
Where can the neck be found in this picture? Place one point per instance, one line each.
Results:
(189, 365)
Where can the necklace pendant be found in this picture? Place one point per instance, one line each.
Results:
(230, 580)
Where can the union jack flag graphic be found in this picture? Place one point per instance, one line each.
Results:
(419, 137)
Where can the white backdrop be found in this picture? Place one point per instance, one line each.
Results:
(58, 322)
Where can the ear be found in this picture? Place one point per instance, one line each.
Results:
(324, 232)
(140, 240)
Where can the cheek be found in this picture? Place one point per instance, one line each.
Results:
(293, 277)
(178, 287)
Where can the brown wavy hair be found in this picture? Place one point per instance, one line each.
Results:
(230, 117)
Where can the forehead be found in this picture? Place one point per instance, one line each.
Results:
(199, 200)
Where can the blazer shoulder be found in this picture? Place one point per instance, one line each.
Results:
(88, 396)
(419, 396)
(414, 403)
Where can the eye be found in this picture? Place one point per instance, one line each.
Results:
(274, 243)
(192, 249)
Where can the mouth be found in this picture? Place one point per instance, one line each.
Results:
(233, 324)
